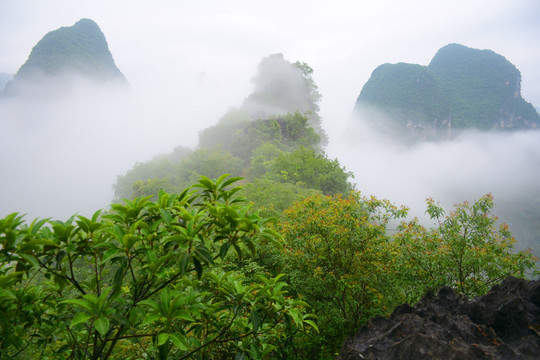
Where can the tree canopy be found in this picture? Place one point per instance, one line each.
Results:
(143, 280)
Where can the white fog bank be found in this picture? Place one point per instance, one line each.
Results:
(505, 164)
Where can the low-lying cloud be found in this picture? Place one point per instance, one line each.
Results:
(60, 154)
(505, 164)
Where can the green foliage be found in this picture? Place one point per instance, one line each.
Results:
(151, 187)
(277, 122)
(81, 48)
(149, 173)
(210, 163)
(337, 257)
(261, 148)
(287, 132)
(314, 170)
(143, 280)
(482, 86)
(409, 89)
(272, 197)
(467, 250)
(175, 171)
(461, 88)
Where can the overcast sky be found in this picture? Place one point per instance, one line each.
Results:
(189, 61)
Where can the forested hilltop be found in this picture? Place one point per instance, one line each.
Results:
(461, 88)
(78, 50)
(274, 139)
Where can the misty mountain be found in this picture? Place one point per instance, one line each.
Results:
(280, 87)
(4, 78)
(274, 140)
(80, 50)
(461, 88)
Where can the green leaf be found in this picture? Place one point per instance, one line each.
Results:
(184, 263)
(118, 277)
(230, 181)
(102, 325)
(166, 216)
(31, 259)
(204, 254)
(312, 324)
(255, 319)
(154, 305)
(80, 318)
(183, 315)
(224, 250)
(205, 183)
(150, 318)
(41, 241)
(80, 302)
(179, 341)
(162, 339)
(10, 278)
(198, 267)
(155, 266)
(109, 254)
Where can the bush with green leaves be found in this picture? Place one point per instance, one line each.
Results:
(314, 170)
(341, 257)
(337, 257)
(144, 280)
(467, 249)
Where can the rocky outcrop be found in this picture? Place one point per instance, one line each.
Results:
(503, 324)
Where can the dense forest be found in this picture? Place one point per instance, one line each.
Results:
(254, 245)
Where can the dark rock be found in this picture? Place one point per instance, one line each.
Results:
(503, 324)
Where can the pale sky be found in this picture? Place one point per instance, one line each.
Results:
(189, 61)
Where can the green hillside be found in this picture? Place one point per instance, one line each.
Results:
(410, 93)
(274, 139)
(462, 88)
(80, 49)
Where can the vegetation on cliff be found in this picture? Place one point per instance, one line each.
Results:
(79, 50)
(462, 88)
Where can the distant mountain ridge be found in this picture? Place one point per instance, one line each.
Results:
(80, 50)
(461, 88)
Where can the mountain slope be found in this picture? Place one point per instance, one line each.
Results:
(483, 87)
(410, 93)
(461, 88)
(80, 50)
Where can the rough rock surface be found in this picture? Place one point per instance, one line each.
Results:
(503, 324)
